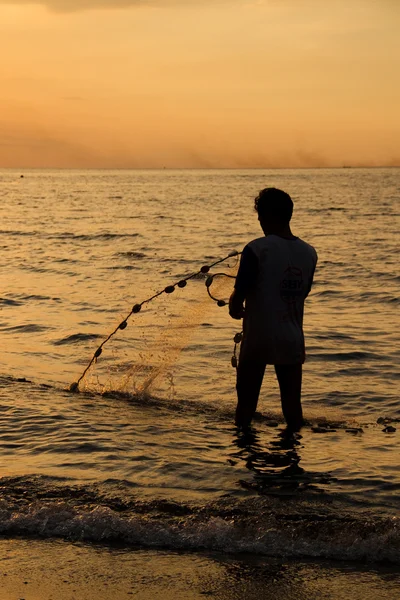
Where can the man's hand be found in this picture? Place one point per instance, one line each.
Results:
(236, 308)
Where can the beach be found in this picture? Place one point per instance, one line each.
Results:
(37, 570)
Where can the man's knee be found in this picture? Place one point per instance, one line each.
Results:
(289, 378)
(249, 375)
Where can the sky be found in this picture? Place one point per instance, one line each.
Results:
(199, 83)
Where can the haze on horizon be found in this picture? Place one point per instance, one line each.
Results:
(229, 83)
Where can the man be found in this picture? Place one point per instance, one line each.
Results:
(274, 278)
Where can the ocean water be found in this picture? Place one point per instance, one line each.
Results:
(146, 454)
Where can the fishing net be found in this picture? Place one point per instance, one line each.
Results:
(166, 332)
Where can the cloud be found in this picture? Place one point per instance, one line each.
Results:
(64, 6)
(78, 5)
(69, 6)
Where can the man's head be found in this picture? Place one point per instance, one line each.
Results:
(274, 207)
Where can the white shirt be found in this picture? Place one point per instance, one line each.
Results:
(281, 274)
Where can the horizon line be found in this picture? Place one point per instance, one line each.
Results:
(28, 168)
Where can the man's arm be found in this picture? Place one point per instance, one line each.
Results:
(311, 278)
(236, 308)
(245, 280)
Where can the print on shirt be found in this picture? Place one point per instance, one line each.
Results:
(291, 286)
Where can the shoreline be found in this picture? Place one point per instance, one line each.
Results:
(50, 569)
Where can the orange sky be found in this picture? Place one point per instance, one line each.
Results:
(199, 83)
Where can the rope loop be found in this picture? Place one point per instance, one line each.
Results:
(209, 282)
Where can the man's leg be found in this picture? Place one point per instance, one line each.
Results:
(249, 378)
(289, 379)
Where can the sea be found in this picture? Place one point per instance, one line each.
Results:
(118, 393)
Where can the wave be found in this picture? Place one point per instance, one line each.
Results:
(17, 232)
(376, 297)
(38, 297)
(29, 328)
(68, 235)
(123, 268)
(9, 302)
(309, 527)
(36, 269)
(343, 356)
(92, 236)
(324, 210)
(76, 338)
(131, 254)
(223, 411)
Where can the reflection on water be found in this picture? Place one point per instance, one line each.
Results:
(275, 464)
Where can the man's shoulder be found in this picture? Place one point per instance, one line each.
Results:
(257, 243)
(308, 247)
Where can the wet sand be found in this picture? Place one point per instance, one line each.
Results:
(49, 570)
